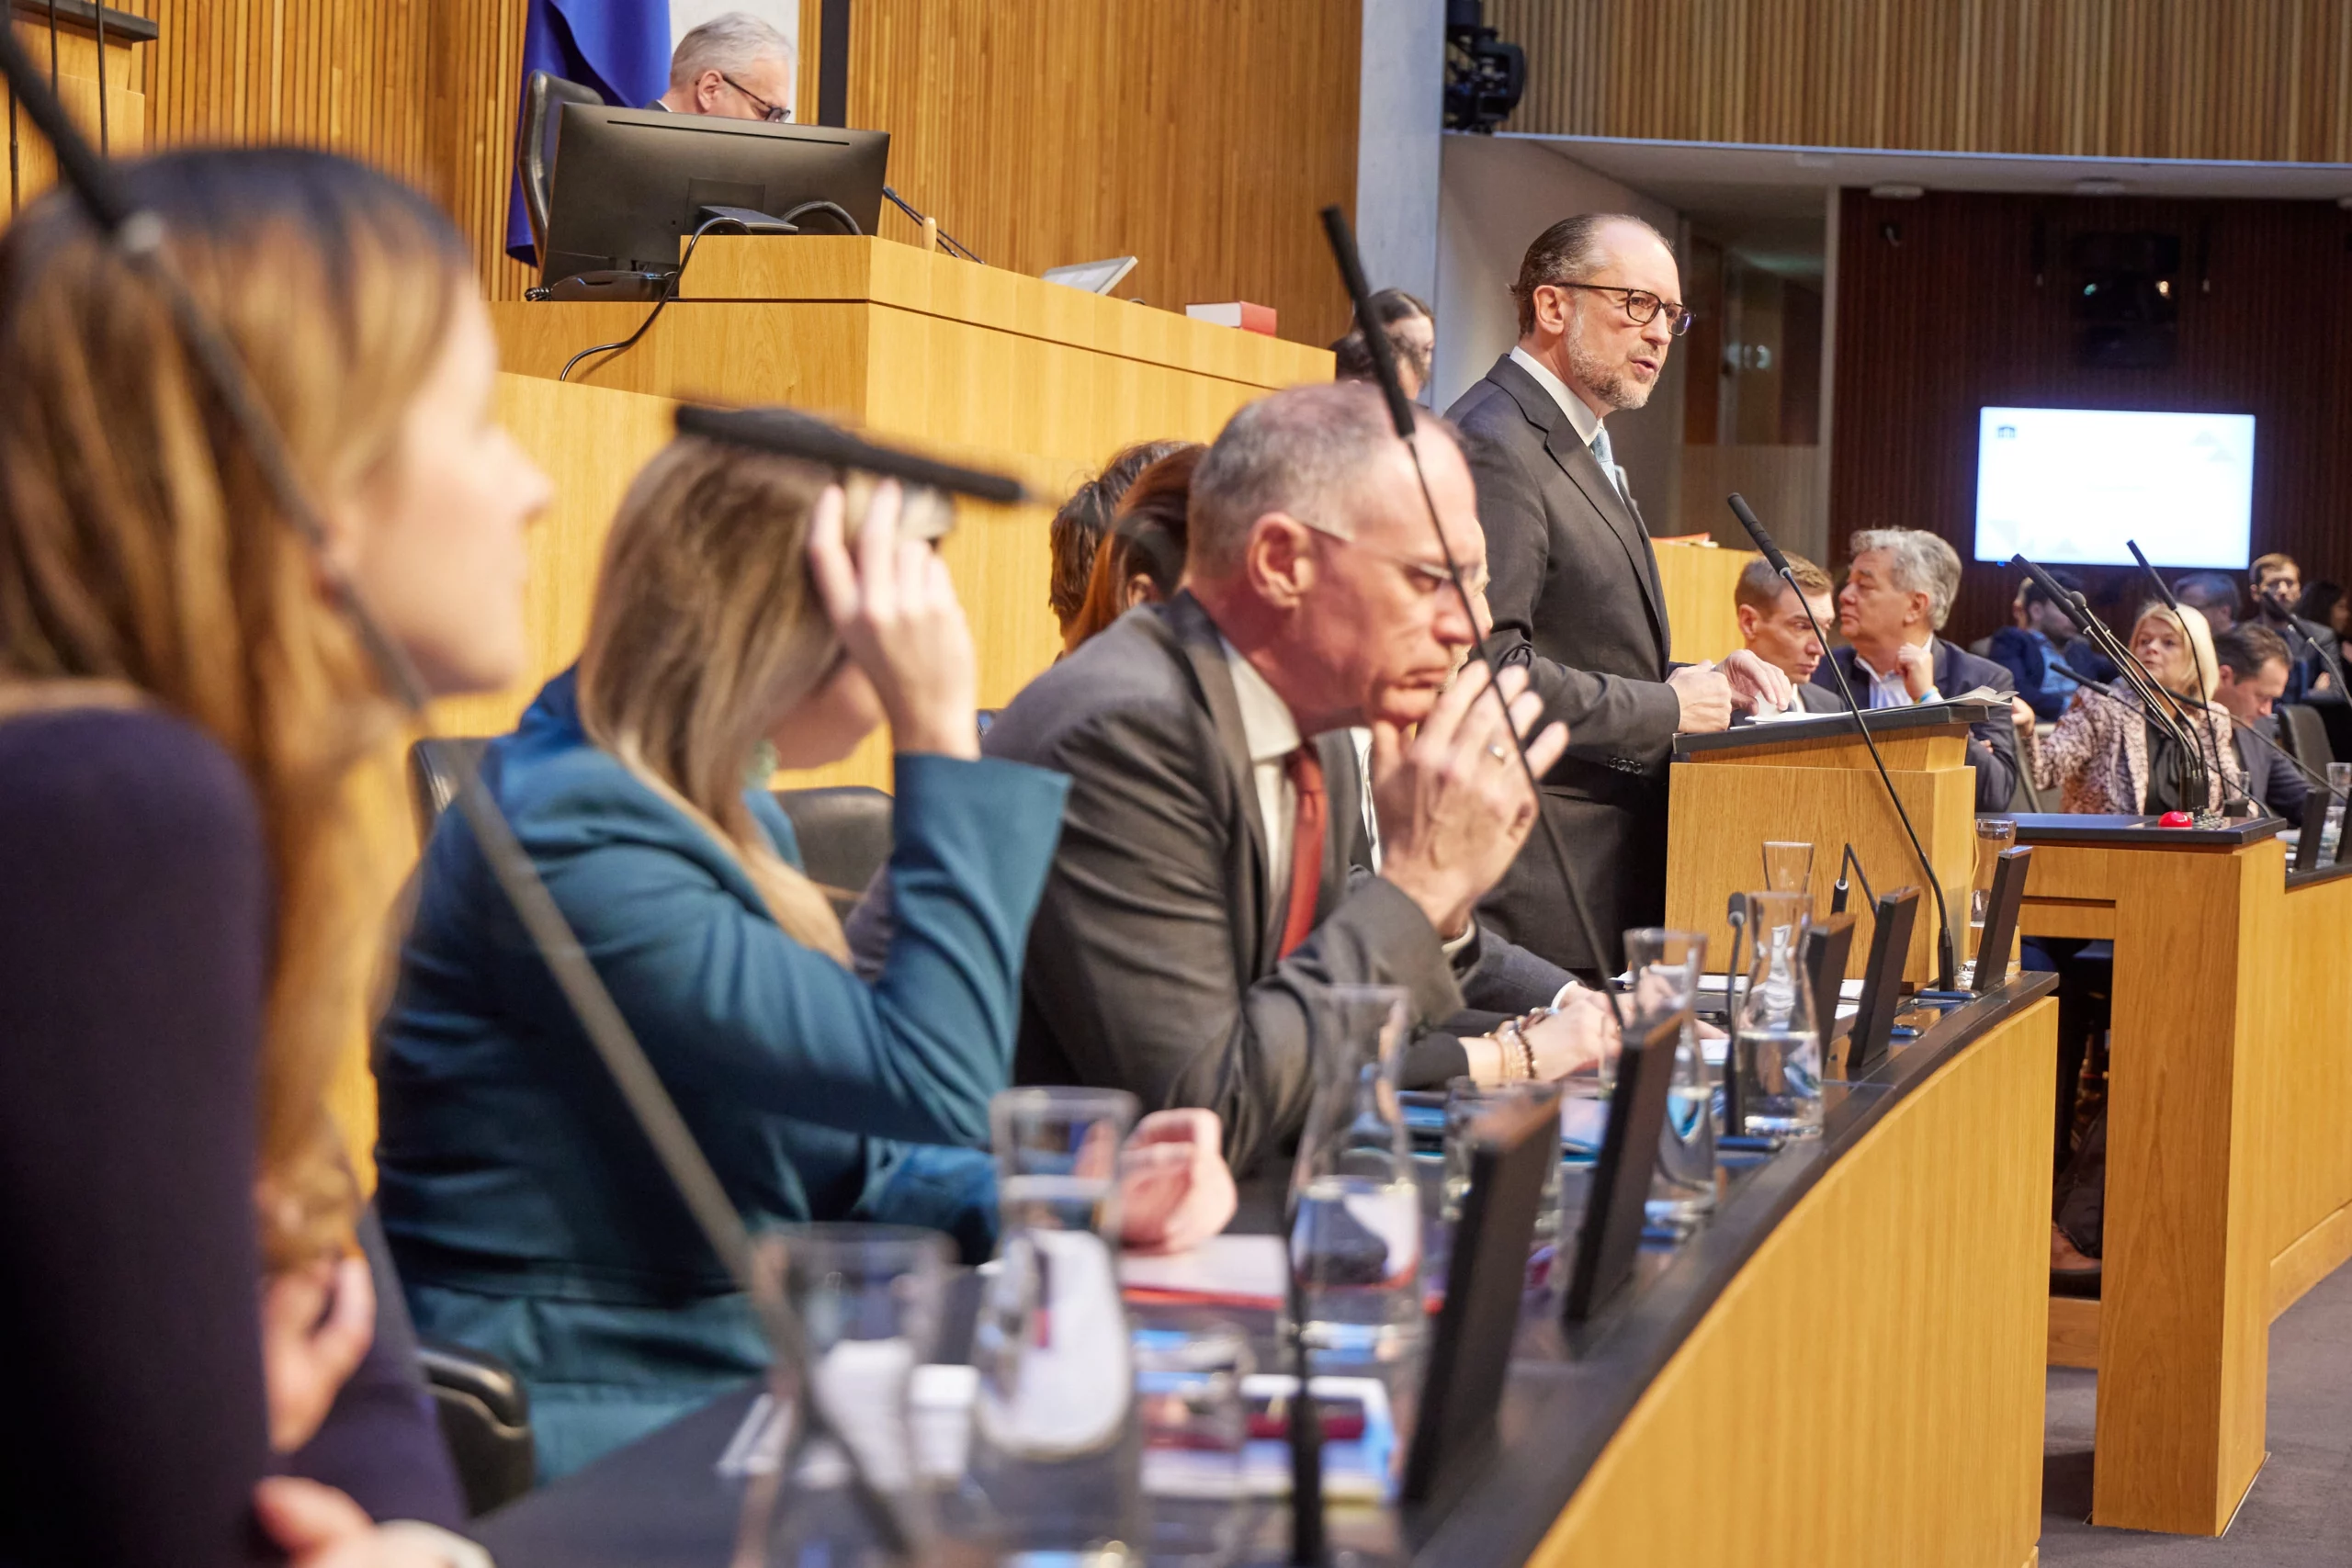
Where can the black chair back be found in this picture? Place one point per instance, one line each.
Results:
(485, 1415)
(434, 768)
(544, 96)
(844, 835)
(2306, 734)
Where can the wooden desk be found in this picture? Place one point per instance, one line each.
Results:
(2229, 1152)
(1842, 1370)
(982, 365)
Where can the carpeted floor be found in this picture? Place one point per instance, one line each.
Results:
(2299, 1514)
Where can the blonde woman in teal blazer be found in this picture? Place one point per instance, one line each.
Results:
(732, 633)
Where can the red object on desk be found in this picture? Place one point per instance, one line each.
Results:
(2176, 819)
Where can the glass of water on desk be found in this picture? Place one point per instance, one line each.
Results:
(1776, 1043)
(1995, 835)
(1355, 1234)
(2339, 780)
(1664, 967)
(1056, 1449)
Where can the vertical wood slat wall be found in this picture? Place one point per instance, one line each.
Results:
(2253, 79)
(1040, 132)
(1201, 140)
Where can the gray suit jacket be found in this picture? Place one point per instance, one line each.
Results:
(1151, 964)
(1575, 599)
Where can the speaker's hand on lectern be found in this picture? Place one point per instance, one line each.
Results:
(1454, 803)
(1756, 686)
(1706, 695)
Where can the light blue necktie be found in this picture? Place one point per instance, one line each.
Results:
(1608, 463)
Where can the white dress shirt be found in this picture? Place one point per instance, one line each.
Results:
(1581, 419)
(1271, 735)
(1889, 690)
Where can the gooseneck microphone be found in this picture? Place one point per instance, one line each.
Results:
(2316, 779)
(2293, 625)
(1842, 888)
(1947, 953)
(955, 247)
(135, 237)
(2135, 675)
(2209, 748)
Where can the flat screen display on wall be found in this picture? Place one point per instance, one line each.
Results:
(2070, 485)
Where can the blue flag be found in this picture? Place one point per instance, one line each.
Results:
(621, 47)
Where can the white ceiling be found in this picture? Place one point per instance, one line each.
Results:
(1769, 203)
(1743, 178)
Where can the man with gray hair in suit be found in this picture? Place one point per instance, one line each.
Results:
(1214, 881)
(1576, 595)
(732, 67)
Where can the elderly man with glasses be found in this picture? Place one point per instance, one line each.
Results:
(732, 67)
(1575, 594)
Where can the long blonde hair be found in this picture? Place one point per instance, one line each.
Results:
(706, 626)
(141, 546)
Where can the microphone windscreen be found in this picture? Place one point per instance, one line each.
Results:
(1747, 520)
(787, 433)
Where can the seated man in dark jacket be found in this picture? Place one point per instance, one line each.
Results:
(2044, 637)
(1210, 886)
(2253, 665)
(1899, 589)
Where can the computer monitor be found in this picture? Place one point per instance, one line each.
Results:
(629, 183)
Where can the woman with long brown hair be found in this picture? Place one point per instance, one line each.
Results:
(732, 633)
(192, 902)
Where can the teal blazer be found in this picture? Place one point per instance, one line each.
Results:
(527, 1214)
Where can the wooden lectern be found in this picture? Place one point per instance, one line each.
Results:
(1810, 779)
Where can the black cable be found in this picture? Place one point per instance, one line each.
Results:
(1947, 949)
(677, 280)
(137, 238)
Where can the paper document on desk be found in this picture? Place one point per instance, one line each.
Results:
(1226, 1271)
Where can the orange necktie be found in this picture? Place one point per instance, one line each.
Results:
(1305, 771)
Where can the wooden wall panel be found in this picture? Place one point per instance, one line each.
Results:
(1039, 131)
(1950, 320)
(1201, 138)
(2260, 79)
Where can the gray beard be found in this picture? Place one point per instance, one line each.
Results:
(1612, 384)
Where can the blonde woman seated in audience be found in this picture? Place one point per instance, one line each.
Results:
(2109, 755)
(195, 1343)
(747, 616)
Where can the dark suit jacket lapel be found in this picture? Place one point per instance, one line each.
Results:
(1202, 647)
(1584, 471)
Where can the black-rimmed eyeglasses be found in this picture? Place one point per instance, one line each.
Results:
(1642, 307)
(775, 114)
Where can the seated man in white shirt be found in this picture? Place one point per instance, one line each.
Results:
(1899, 589)
(1772, 625)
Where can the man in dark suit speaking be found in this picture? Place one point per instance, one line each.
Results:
(1212, 884)
(1576, 593)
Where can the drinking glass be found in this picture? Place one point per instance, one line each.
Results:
(1776, 1046)
(1355, 1234)
(1994, 834)
(2339, 779)
(1788, 866)
(866, 1300)
(1055, 1450)
(1195, 1427)
(1664, 967)
(1466, 1101)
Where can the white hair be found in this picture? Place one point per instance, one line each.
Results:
(733, 42)
(1919, 563)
